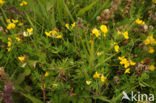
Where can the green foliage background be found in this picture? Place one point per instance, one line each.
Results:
(73, 60)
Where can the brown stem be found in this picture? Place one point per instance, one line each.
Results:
(43, 88)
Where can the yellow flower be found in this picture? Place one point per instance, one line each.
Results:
(53, 32)
(96, 32)
(152, 67)
(138, 21)
(147, 41)
(48, 34)
(54, 85)
(103, 78)
(119, 33)
(9, 39)
(26, 34)
(127, 70)
(104, 29)
(99, 53)
(151, 50)
(11, 26)
(18, 39)
(1, 2)
(9, 49)
(150, 40)
(8, 21)
(20, 24)
(96, 75)
(125, 34)
(143, 22)
(88, 82)
(21, 58)
(126, 65)
(30, 30)
(120, 58)
(23, 3)
(73, 25)
(132, 63)
(14, 21)
(9, 44)
(116, 48)
(67, 26)
(59, 36)
(46, 74)
(124, 61)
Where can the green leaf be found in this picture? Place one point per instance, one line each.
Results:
(33, 99)
(20, 78)
(102, 98)
(27, 71)
(144, 76)
(87, 8)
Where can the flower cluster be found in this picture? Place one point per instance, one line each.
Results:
(9, 44)
(70, 27)
(151, 50)
(125, 34)
(29, 32)
(138, 21)
(126, 63)
(150, 41)
(103, 28)
(18, 39)
(96, 32)
(116, 47)
(97, 75)
(12, 24)
(54, 34)
(23, 3)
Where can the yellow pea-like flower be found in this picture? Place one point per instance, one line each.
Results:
(22, 58)
(125, 34)
(152, 67)
(46, 74)
(96, 75)
(103, 78)
(11, 26)
(104, 29)
(96, 32)
(9, 43)
(116, 48)
(127, 70)
(59, 36)
(2, 2)
(88, 82)
(151, 50)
